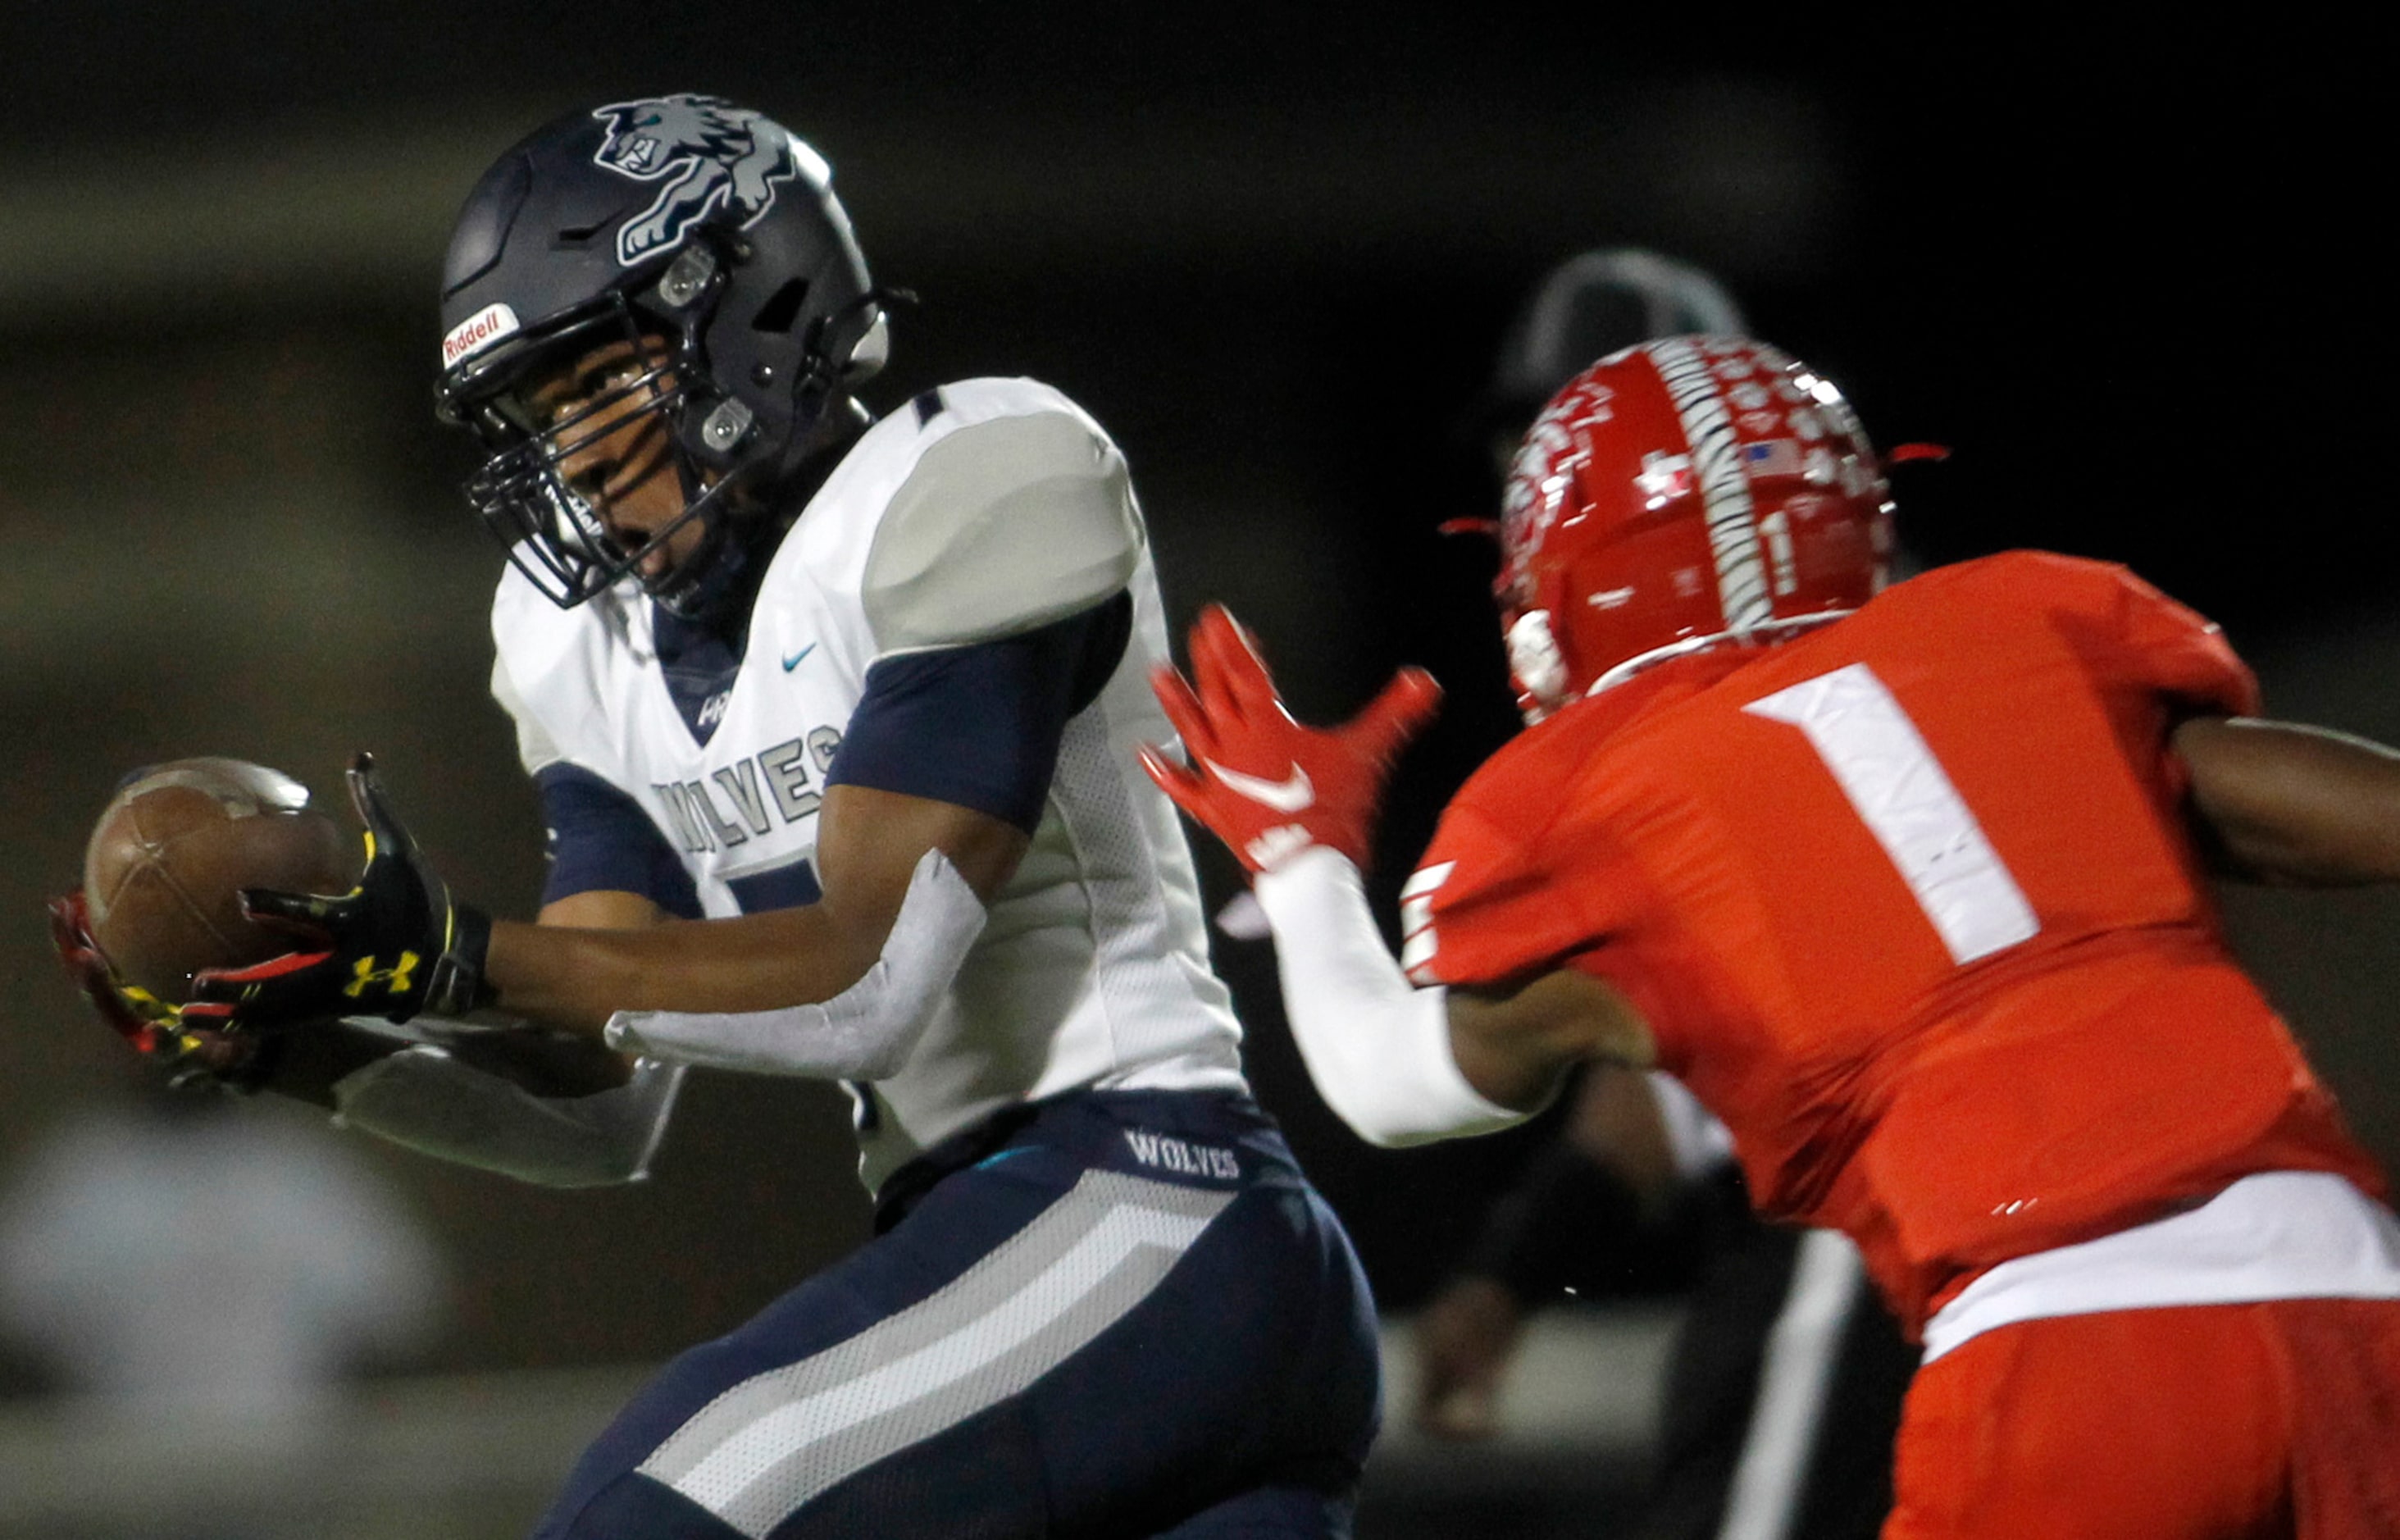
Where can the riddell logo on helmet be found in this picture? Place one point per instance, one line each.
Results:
(478, 332)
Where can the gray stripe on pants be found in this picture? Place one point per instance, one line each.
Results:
(764, 1448)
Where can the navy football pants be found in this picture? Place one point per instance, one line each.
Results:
(1125, 1314)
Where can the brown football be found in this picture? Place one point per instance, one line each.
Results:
(163, 874)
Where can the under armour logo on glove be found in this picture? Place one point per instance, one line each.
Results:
(401, 910)
(1261, 782)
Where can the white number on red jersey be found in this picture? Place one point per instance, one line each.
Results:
(1901, 794)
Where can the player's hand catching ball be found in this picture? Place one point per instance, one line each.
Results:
(394, 945)
(150, 1025)
(1260, 780)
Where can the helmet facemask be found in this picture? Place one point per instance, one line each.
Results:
(535, 497)
(719, 253)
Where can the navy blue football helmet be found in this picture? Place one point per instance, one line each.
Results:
(708, 236)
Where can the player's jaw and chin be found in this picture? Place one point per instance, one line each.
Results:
(620, 459)
(639, 500)
(658, 521)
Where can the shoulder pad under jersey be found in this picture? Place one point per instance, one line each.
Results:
(2119, 618)
(1515, 877)
(542, 662)
(535, 749)
(1016, 513)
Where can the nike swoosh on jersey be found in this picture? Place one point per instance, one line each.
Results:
(1289, 794)
(794, 660)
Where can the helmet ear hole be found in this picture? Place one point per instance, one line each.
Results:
(783, 308)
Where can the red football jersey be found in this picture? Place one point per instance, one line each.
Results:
(1909, 902)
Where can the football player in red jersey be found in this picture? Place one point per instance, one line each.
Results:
(1908, 885)
(1782, 1389)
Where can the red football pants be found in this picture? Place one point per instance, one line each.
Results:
(2280, 1418)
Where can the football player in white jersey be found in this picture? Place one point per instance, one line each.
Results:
(833, 720)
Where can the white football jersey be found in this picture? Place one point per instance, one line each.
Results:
(983, 509)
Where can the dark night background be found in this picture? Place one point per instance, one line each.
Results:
(2128, 276)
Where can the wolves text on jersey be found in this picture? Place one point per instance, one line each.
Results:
(750, 796)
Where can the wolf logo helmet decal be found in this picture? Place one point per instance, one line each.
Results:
(712, 154)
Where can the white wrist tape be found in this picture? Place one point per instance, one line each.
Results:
(865, 1032)
(430, 1101)
(1377, 1047)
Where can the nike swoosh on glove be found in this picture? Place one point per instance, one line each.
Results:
(1260, 780)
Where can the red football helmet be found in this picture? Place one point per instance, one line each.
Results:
(1686, 492)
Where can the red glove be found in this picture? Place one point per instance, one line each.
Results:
(1258, 780)
(150, 1025)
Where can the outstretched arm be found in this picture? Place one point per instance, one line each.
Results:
(2282, 802)
(1401, 1064)
(307, 1062)
(1398, 1064)
(876, 852)
(869, 844)
(1516, 1043)
(399, 943)
(542, 1106)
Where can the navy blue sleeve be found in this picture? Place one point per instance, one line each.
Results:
(600, 840)
(978, 726)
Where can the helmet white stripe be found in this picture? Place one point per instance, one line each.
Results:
(1724, 482)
